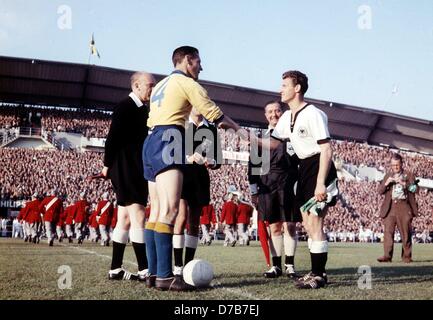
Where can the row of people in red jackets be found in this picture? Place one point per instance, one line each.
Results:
(235, 216)
(74, 220)
(51, 215)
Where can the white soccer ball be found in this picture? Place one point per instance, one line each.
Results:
(198, 273)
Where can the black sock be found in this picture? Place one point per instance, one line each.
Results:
(140, 253)
(117, 259)
(316, 263)
(323, 260)
(189, 254)
(178, 257)
(290, 260)
(276, 262)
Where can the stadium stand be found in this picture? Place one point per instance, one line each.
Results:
(91, 124)
(39, 82)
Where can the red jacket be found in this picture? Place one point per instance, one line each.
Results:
(23, 214)
(105, 212)
(244, 213)
(69, 213)
(114, 218)
(35, 217)
(80, 212)
(92, 220)
(207, 215)
(228, 214)
(33, 211)
(62, 218)
(26, 212)
(51, 207)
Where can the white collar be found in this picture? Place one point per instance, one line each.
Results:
(203, 122)
(136, 99)
(269, 129)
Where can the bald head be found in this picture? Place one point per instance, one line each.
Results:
(142, 84)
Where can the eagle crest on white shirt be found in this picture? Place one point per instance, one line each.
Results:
(302, 132)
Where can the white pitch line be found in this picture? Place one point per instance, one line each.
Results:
(97, 254)
(216, 285)
(238, 292)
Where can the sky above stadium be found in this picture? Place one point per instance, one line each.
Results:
(375, 54)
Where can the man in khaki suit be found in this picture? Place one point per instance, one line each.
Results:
(398, 208)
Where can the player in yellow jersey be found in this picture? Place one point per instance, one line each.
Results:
(164, 156)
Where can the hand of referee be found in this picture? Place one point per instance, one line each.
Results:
(104, 172)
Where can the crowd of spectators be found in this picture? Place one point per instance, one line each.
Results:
(356, 215)
(9, 116)
(8, 121)
(90, 123)
(230, 141)
(12, 116)
(363, 154)
(26, 171)
(228, 175)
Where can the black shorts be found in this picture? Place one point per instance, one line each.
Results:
(277, 201)
(126, 175)
(308, 171)
(196, 185)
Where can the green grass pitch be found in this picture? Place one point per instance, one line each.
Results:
(31, 271)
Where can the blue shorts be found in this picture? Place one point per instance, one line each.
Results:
(163, 149)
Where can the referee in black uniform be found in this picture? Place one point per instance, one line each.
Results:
(272, 193)
(307, 129)
(123, 165)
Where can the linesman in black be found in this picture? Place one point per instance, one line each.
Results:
(124, 167)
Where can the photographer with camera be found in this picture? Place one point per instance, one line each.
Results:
(398, 208)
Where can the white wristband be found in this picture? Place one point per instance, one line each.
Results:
(253, 189)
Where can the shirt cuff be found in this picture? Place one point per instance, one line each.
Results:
(279, 139)
(322, 141)
(253, 189)
(219, 120)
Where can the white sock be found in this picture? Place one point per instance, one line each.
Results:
(290, 245)
(178, 241)
(191, 241)
(319, 246)
(276, 245)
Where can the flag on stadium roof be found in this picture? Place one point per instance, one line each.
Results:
(93, 49)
